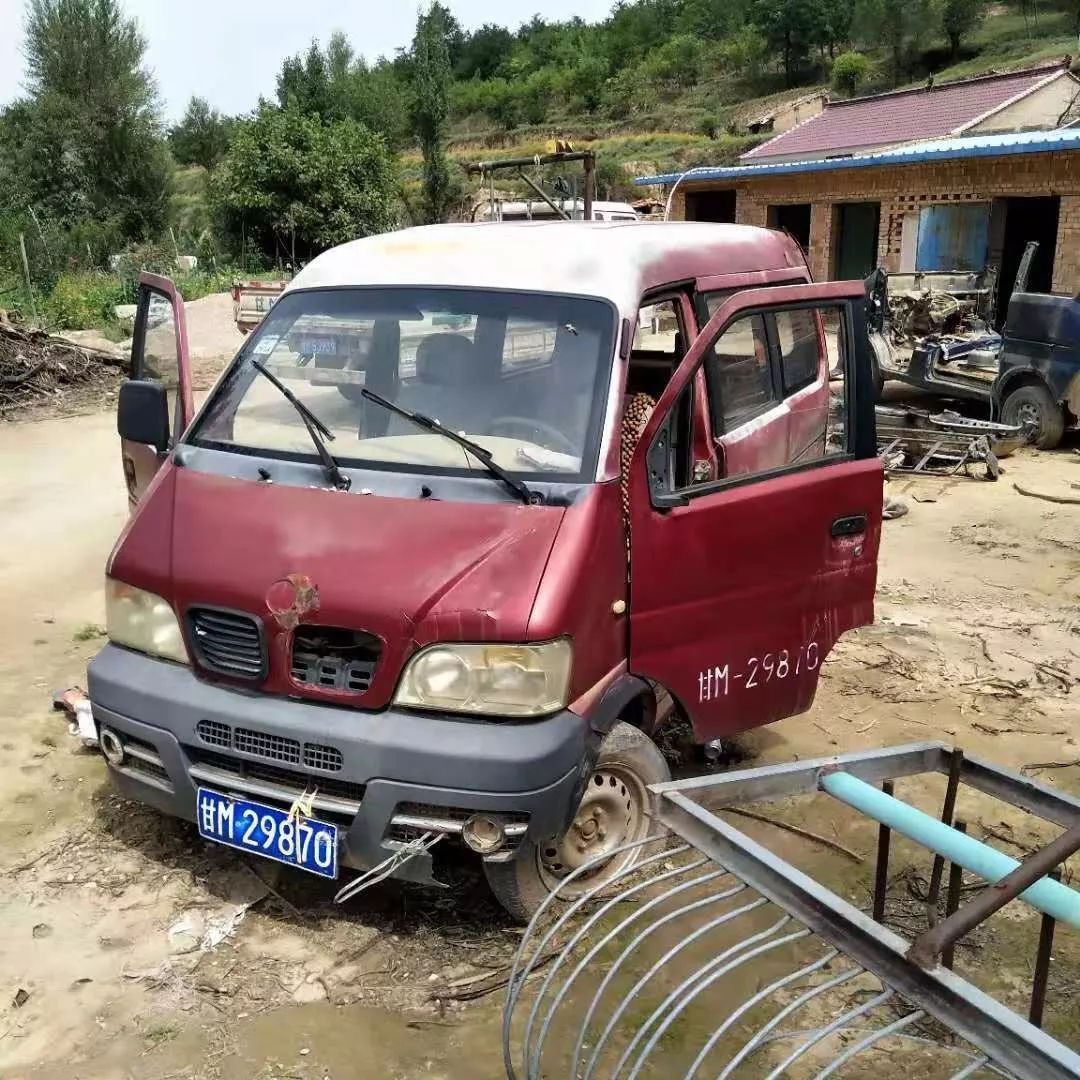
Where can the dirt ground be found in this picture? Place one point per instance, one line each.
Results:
(137, 951)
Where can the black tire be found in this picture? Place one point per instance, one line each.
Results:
(1033, 404)
(633, 760)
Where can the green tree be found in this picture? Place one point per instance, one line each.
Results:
(850, 70)
(900, 28)
(745, 52)
(431, 92)
(201, 137)
(483, 51)
(87, 143)
(790, 27)
(287, 171)
(678, 62)
(959, 18)
(303, 85)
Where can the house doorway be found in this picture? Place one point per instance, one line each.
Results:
(793, 218)
(1027, 218)
(856, 250)
(710, 205)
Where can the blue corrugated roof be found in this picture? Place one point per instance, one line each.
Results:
(972, 146)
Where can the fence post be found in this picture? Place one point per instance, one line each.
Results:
(26, 276)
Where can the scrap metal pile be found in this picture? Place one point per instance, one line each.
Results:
(946, 444)
(36, 369)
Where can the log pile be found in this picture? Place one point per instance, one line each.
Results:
(37, 369)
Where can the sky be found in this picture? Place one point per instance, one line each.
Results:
(229, 51)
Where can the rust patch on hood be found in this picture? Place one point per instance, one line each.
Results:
(291, 598)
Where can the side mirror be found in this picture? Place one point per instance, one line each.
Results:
(142, 413)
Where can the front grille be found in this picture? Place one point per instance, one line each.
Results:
(214, 733)
(275, 747)
(327, 758)
(256, 770)
(261, 744)
(227, 642)
(334, 658)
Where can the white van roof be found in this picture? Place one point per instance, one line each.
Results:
(617, 261)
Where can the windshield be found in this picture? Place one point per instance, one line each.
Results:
(524, 375)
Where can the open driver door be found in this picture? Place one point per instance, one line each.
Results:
(741, 583)
(156, 403)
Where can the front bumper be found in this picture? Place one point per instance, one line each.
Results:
(381, 777)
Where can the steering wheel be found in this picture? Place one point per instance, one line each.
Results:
(527, 427)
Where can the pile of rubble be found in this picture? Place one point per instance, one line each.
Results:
(39, 370)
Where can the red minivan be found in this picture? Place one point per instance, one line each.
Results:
(474, 513)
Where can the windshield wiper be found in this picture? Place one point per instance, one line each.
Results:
(477, 451)
(315, 428)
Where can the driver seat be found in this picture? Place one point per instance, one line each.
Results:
(449, 386)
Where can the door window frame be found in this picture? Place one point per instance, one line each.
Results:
(848, 297)
(151, 285)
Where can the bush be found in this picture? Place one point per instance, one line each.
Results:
(850, 70)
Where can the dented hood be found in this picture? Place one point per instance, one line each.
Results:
(411, 571)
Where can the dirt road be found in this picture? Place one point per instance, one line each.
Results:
(105, 908)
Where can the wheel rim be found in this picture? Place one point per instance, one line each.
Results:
(1028, 414)
(611, 813)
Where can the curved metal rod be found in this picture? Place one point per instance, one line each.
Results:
(644, 909)
(627, 998)
(583, 963)
(705, 983)
(857, 1048)
(808, 995)
(841, 1021)
(970, 1070)
(516, 982)
(747, 1005)
(576, 906)
(588, 924)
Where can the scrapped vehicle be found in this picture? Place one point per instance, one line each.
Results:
(540, 210)
(465, 599)
(252, 300)
(1038, 382)
(931, 330)
(933, 336)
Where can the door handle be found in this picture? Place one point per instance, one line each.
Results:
(853, 525)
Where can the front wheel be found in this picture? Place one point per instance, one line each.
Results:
(614, 811)
(1034, 407)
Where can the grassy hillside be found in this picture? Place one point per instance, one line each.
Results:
(669, 136)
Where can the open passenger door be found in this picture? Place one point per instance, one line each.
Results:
(742, 582)
(156, 403)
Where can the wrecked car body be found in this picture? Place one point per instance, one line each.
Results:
(412, 573)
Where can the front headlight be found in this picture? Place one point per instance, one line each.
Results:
(143, 621)
(498, 680)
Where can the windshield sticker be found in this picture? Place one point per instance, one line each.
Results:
(265, 346)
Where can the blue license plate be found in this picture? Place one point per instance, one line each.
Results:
(317, 346)
(265, 830)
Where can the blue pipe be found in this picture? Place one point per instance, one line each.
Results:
(1048, 896)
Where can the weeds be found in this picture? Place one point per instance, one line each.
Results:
(88, 632)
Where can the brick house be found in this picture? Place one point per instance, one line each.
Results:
(951, 201)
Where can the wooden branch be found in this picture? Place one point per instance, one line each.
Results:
(806, 834)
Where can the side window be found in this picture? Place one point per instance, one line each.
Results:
(776, 402)
(739, 374)
(797, 336)
(160, 357)
(658, 330)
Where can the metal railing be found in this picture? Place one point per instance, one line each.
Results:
(712, 956)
